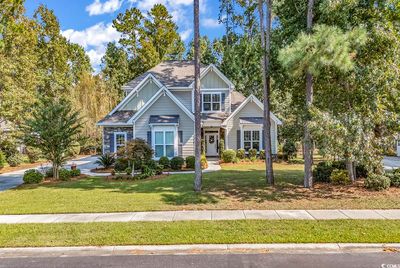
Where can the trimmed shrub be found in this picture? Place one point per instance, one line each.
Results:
(203, 161)
(106, 160)
(64, 174)
(121, 164)
(75, 172)
(14, 160)
(289, 150)
(221, 147)
(32, 176)
(322, 172)
(377, 182)
(262, 154)
(177, 163)
(164, 161)
(395, 178)
(340, 176)
(241, 154)
(155, 166)
(253, 153)
(190, 160)
(148, 171)
(2, 159)
(253, 159)
(228, 156)
(33, 154)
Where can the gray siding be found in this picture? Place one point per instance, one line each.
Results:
(212, 80)
(143, 96)
(185, 97)
(165, 106)
(250, 110)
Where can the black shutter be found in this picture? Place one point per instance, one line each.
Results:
(180, 143)
(111, 142)
(223, 102)
(129, 136)
(238, 139)
(149, 138)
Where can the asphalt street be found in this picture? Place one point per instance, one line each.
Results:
(334, 260)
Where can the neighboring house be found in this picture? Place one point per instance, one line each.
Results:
(159, 108)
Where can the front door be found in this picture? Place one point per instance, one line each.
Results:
(211, 144)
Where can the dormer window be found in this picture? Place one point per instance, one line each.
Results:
(211, 102)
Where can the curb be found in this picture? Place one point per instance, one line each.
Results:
(198, 249)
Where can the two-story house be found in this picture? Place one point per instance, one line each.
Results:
(159, 108)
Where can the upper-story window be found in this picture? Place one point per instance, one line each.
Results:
(211, 102)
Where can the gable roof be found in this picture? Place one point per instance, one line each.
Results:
(244, 103)
(169, 73)
(116, 118)
(212, 67)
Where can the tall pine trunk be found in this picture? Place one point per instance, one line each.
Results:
(197, 112)
(308, 158)
(265, 35)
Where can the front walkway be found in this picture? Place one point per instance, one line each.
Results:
(205, 215)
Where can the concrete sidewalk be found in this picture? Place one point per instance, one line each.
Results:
(205, 215)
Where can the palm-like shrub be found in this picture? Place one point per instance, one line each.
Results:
(106, 160)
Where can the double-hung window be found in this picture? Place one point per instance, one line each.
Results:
(251, 139)
(211, 102)
(164, 142)
(119, 140)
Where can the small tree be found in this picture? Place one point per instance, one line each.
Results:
(137, 152)
(53, 128)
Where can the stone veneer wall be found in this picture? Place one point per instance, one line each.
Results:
(108, 136)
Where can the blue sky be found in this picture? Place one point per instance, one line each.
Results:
(88, 22)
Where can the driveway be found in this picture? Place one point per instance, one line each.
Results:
(391, 162)
(13, 179)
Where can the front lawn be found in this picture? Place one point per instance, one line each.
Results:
(239, 186)
(199, 232)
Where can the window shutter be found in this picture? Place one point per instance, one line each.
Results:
(238, 139)
(112, 142)
(201, 103)
(180, 143)
(129, 136)
(223, 102)
(149, 138)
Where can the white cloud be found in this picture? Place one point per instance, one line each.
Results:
(98, 8)
(94, 39)
(210, 23)
(185, 34)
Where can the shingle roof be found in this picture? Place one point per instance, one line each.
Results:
(236, 99)
(164, 119)
(117, 117)
(169, 73)
(251, 120)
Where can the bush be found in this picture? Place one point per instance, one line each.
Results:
(2, 159)
(262, 154)
(190, 161)
(395, 178)
(361, 171)
(177, 163)
(253, 159)
(340, 176)
(252, 153)
(33, 154)
(14, 160)
(148, 171)
(241, 154)
(322, 172)
(75, 172)
(203, 161)
(49, 173)
(155, 166)
(32, 176)
(340, 164)
(106, 160)
(74, 149)
(289, 150)
(221, 147)
(228, 156)
(377, 182)
(164, 161)
(121, 164)
(128, 171)
(64, 174)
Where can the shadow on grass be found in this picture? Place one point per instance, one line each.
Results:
(231, 184)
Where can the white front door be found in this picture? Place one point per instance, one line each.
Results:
(211, 144)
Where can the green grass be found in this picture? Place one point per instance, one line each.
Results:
(240, 186)
(155, 233)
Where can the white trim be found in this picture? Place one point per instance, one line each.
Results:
(163, 129)
(219, 73)
(113, 124)
(159, 93)
(251, 128)
(115, 138)
(180, 88)
(211, 102)
(136, 90)
(241, 106)
(214, 89)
